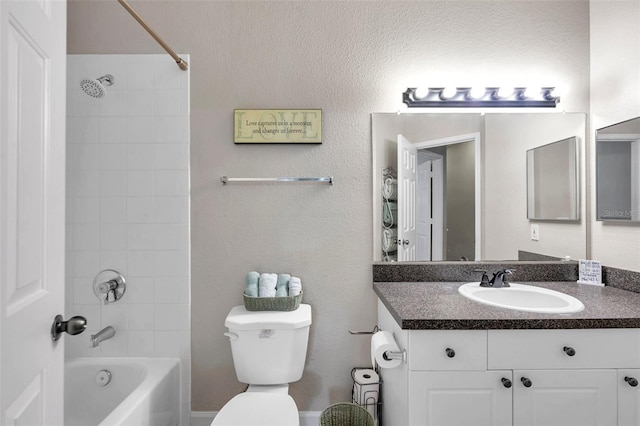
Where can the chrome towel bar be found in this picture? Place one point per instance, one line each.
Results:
(327, 179)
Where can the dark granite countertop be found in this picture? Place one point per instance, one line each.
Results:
(439, 306)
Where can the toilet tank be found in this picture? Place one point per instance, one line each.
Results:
(269, 347)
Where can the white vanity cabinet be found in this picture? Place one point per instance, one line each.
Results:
(458, 398)
(552, 377)
(629, 397)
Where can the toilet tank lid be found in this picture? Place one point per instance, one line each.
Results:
(241, 319)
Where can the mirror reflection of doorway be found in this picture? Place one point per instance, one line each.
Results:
(447, 194)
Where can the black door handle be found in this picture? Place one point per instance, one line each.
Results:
(74, 325)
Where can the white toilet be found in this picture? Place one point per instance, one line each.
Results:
(269, 350)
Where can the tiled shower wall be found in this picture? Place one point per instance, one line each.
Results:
(128, 206)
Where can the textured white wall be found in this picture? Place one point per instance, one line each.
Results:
(350, 59)
(615, 97)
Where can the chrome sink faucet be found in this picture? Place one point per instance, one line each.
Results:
(497, 281)
(102, 335)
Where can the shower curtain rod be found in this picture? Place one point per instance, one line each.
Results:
(181, 62)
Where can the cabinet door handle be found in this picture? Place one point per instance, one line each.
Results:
(632, 381)
(569, 350)
(450, 352)
(506, 382)
(526, 382)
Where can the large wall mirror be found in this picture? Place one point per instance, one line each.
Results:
(618, 172)
(453, 186)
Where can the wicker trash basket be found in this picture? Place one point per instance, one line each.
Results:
(285, 303)
(345, 414)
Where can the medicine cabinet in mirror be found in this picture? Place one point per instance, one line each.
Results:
(468, 197)
(552, 181)
(618, 172)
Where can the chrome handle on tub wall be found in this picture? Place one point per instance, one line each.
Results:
(109, 285)
(74, 325)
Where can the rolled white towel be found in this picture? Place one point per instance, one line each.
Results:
(267, 285)
(282, 285)
(295, 286)
(251, 284)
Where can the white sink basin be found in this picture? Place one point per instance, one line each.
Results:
(522, 297)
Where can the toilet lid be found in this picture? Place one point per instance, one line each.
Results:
(258, 409)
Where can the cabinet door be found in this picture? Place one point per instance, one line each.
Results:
(450, 398)
(565, 398)
(628, 398)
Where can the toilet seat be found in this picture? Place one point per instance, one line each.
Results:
(258, 409)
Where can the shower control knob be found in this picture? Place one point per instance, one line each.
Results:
(506, 382)
(569, 350)
(450, 352)
(633, 382)
(74, 325)
(526, 382)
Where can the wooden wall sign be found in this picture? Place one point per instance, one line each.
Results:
(277, 126)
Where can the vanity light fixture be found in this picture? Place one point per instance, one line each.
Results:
(492, 97)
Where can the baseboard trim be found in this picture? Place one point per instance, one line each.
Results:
(204, 418)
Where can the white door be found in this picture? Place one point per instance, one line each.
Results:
(424, 220)
(565, 398)
(32, 179)
(454, 398)
(430, 207)
(407, 163)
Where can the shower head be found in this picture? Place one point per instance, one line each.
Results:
(96, 88)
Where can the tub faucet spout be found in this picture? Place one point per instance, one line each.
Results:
(102, 335)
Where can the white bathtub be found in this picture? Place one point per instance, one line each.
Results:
(142, 392)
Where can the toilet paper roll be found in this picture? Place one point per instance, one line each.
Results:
(381, 342)
(366, 390)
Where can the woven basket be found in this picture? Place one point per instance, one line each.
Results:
(284, 303)
(345, 414)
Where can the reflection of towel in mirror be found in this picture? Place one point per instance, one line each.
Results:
(390, 188)
(282, 286)
(267, 285)
(390, 240)
(295, 286)
(251, 284)
(390, 213)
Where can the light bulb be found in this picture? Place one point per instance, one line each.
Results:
(420, 92)
(505, 92)
(448, 93)
(477, 92)
(532, 93)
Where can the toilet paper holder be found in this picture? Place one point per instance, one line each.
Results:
(374, 331)
(402, 355)
(388, 355)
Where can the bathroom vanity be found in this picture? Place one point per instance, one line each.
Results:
(477, 365)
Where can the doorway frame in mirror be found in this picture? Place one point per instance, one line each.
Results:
(476, 139)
